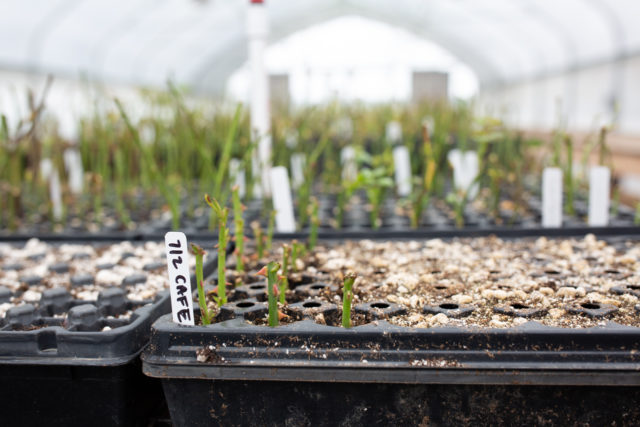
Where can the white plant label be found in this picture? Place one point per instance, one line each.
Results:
(394, 132)
(265, 163)
(348, 160)
(552, 198)
(343, 128)
(179, 278)
(50, 174)
(237, 176)
(291, 139)
(46, 166)
(297, 169)
(73, 164)
(430, 124)
(281, 194)
(55, 193)
(465, 170)
(402, 168)
(599, 200)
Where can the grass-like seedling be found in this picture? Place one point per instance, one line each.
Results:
(419, 197)
(304, 192)
(223, 240)
(271, 271)
(259, 237)
(202, 300)
(376, 182)
(224, 159)
(238, 208)
(286, 261)
(347, 188)
(270, 228)
(347, 298)
(568, 176)
(636, 218)
(297, 250)
(315, 223)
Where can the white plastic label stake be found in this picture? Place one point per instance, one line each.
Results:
(348, 160)
(402, 168)
(237, 176)
(465, 170)
(394, 133)
(291, 139)
(552, 198)
(430, 124)
(281, 194)
(179, 278)
(46, 166)
(343, 128)
(55, 193)
(50, 174)
(599, 200)
(297, 170)
(73, 164)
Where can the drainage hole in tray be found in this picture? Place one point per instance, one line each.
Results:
(318, 286)
(440, 287)
(449, 306)
(590, 306)
(381, 305)
(518, 306)
(634, 287)
(311, 304)
(257, 286)
(245, 304)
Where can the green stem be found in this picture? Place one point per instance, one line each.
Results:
(315, 224)
(284, 282)
(272, 285)
(347, 297)
(223, 239)
(271, 226)
(239, 229)
(202, 301)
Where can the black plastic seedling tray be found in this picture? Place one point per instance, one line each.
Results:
(69, 371)
(303, 373)
(379, 374)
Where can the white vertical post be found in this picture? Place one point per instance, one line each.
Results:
(257, 32)
(402, 169)
(282, 204)
(599, 196)
(552, 198)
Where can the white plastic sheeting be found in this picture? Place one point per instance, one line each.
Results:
(201, 42)
(510, 44)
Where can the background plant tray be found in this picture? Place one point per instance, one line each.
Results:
(53, 343)
(73, 377)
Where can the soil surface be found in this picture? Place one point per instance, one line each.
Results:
(64, 265)
(483, 282)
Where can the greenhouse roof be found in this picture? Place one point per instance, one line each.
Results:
(200, 43)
